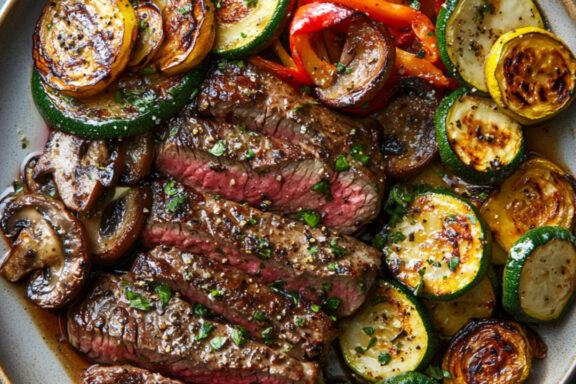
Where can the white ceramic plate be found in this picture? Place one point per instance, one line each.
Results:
(24, 351)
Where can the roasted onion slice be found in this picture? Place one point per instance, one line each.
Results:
(488, 351)
(81, 46)
(190, 31)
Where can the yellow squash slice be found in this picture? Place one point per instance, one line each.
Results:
(82, 46)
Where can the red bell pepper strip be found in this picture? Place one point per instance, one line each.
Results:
(397, 16)
(290, 75)
(410, 65)
(312, 18)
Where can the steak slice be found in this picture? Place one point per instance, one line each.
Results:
(254, 99)
(310, 261)
(118, 323)
(123, 374)
(306, 334)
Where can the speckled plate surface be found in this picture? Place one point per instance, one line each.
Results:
(25, 353)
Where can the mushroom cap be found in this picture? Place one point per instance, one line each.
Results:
(48, 242)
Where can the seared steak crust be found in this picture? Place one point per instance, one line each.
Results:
(296, 328)
(307, 140)
(123, 374)
(110, 328)
(264, 245)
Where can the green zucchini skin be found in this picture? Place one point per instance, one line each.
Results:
(107, 128)
(409, 378)
(519, 254)
(485, 257)
(441, 24)
(451, 159)
(272, 29)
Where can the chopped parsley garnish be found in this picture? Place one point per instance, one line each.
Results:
(185, 10)
(415, 4)
(299, 321)
(358, 154)
(259, 316)
(305, 89)
(217, 343)
(397, 237)
(277, 286)
(336, 249)
(164, 292)
(323, 187)
(137, 300)
(371, 343)
(342, 164)
(454, 263)
(219, 148)
(310, 217)
(315, 308)
(341, 68)
(421, 54)
(368, 330)
(175, 202)
(384, 358)
(267, 336)
(332, 303)
(313, 250)
(239, 335)
(204, 331)
(333, 267)
(249, 155)
(437, 373)
(200, 310)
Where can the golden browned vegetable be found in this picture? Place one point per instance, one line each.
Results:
(81, 46)
(488, 351)
(537, 194)
(190, 31)
(150, 35)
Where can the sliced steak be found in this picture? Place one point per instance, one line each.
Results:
(311, 144)
(118, 323)
(311, 261)
(264, 311)
(123, 374)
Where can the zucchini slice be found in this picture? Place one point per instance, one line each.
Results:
(477, 142)
(409, 378)
(531, 74)
(540, 275)
(488, 351)
(150, 35)
(390, 335)
(449, 317)
(134, 104)
(467, 29)
(537, 194)
(440, 249)
(189, 33)
(82, 46)
(245, 28)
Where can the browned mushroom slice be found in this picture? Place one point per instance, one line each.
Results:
(409, 136)
(138, 156)
(190, 31)
(116, 223)
(80, 168)
(150, 35)
(364, 67)
(42, 184)
(47, 241)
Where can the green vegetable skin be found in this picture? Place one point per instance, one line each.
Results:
(409, 378)
(546, 258)
(369, 338)
(506, 149)
(248, 35)
(144, 114)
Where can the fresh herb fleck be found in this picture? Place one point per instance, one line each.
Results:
(219, 148)
(310, 217)
(164, 292)
(342, 164)
(204, 331)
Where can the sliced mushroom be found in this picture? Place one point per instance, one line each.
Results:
(42, 184)
(80, 168)
(365, 64)
(116, 222)
(409, 137)
(47, 241)
(138, 156)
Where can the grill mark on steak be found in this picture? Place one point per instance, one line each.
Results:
(253, 98)
(266, 245)
(123, 374)
(108, 330)
(252, 166)
(305, 334)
